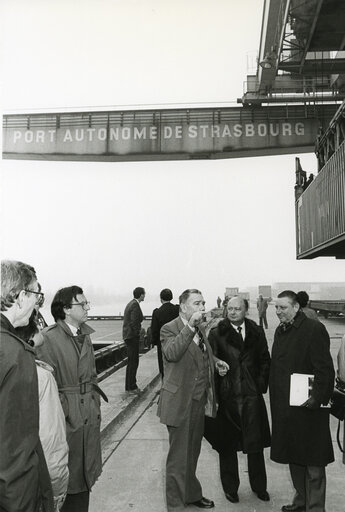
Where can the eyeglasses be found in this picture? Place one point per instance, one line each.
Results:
(82, 304)
(40, 296)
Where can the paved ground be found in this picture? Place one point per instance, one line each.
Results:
(135, 451)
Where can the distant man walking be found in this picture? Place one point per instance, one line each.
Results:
(132, 319)
(301, 435)
(160, 317)
(262, 305)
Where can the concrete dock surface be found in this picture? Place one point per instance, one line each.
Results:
(135, 445)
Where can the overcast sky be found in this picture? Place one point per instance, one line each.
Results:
(112, 226)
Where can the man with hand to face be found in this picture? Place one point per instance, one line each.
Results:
(187, 394)
(300, 434)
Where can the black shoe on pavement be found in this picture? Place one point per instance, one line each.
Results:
(232, 496)
(263, 495)
(293, 508)
(203, 503)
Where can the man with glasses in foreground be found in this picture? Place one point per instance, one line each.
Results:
(68, 349)
(24, 478)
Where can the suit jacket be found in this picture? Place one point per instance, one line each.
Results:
(132, 319)
(160, 317)
(183, 364)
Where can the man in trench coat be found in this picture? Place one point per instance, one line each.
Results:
(68, 349)
(301, 435)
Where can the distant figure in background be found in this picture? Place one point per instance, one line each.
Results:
(341, 376)
(160, 317)
(262, 305)
(241, 423)
(24, 479)
(303, 299)
(132, 318)
(68, 349)
(219, 302)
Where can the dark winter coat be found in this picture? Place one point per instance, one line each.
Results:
(242, 420)
(24, 478)
(301, 435)
(132, 319)
(75, 373)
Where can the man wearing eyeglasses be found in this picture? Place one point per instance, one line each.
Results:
(24, 478)
(241, 423)
(68, 349)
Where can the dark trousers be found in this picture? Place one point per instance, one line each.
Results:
(263, 320)
(160, 359)
(310, 485)
(229, 476)
(76, 502)
(182, 485)
(132, 363)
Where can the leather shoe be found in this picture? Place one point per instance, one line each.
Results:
(203, 503)
(263, 495)
(293, 508)
(232, 496)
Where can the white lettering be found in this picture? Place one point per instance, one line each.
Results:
(16, 135)
(178, 132)
(286, 128)
(167, 132)
(68, 136)
(126, 133)
(215, 131)
(204, 128)
(226, 131)
(91, 131)
(29, 136)
(238, 130)
(79, 136)
(102, 134)
(52, 133)
(262, 129)
(139, 134)
(193, 131)
(40, 136)
(273, 132)
(249, 130)
(153, 132)
(299, 128)
(114, 134)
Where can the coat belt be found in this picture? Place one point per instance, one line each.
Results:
(82, 388)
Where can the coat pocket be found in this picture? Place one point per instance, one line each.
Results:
(170, 386)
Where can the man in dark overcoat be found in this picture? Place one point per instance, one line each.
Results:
(187, 394)
(24, 479)
(131, 328)
(160, 317)
(301, 435)
(241, 422)
(68, 349)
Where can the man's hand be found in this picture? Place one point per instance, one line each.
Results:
(196, 318)
(222, 367)
(311, 403)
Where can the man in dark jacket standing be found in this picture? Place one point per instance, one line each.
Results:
(242, 422)
(68, 349)
(132, 319)
(301, 435)
(160, 317)
(24, 478)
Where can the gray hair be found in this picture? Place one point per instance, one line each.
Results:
(186, 294)
(15, 277)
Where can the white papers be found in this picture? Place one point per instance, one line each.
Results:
(301, 385)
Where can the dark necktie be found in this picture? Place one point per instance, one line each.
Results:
(201, 343)
(239, 329)
(78, 331)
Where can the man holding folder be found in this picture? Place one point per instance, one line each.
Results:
(300, 434)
